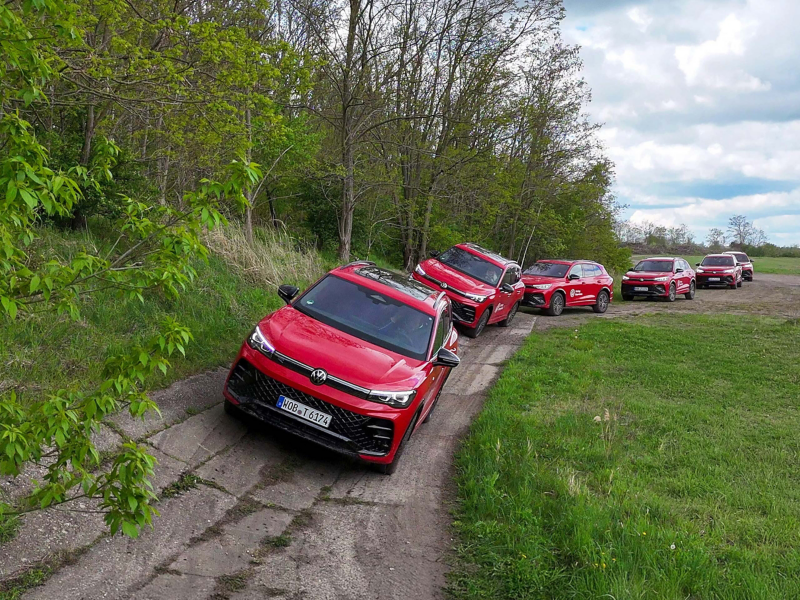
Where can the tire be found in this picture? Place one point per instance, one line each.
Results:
(672, 293)
(734, 285)
(739, 283)
(556, 305)
(602, 302)
(690, 294)
(392, 466)
(627, 297)
(478, 329)
(510, 316)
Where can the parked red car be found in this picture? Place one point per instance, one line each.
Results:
(663, 277)
(554, 284)
(719, 269)
(483, 286)
(745, 262)
(356, 363)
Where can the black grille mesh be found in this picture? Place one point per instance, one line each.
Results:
(463, 312)
(363, 433)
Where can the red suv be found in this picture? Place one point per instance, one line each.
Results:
(664, 277)
(746, 263)
(356, 363)
(483, 287)
(553, 284)
(719, 269)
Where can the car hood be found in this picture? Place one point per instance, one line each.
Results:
(538, 279)
(455, 279)
(647, 274)
(340, 354)
(717, 269)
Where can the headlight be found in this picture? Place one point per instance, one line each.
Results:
(660, 278)
(420, 270)
(542, 286)
(625, 278)
(476, 298)
(729, 270)
(258, 341)
(701, 270)
(396, 399)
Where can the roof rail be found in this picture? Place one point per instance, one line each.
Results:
(359, 262)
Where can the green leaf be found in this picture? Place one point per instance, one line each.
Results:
(35, 282)
(29, 198)
(130, 529)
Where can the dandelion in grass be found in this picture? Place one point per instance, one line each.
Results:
(672, 547)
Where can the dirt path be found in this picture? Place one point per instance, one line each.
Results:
(260, 515)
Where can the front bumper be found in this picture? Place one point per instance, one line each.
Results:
(370, 435)
(704, 279)
(536, 299)
(653, 289)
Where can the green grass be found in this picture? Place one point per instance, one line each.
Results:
(49, 352)
(766, 264)
(648, 459)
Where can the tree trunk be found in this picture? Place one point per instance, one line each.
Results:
(78, 220)
(248, 223)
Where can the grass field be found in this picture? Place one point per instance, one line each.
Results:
(648, 459)
(775, 266)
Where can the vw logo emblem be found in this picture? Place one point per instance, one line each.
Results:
(444, 285)
(318, 376)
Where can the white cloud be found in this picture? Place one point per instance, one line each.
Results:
(639, 16)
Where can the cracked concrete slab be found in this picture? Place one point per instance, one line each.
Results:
(299, 489)
(198, 392)
(170, 586)
(117, 566)
(240, 467)
(199, 437)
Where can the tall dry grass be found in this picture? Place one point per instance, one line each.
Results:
(273, 258)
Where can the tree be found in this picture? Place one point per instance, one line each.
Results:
(740, 229)
(715, 238)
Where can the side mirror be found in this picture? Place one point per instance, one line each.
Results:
(696, 264)
(752, 260)
(288, 292)
(679, 270)
(446, 358)
(507, 288)
(573, 276)
(434, 253)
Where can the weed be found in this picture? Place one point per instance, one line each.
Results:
(188, 481)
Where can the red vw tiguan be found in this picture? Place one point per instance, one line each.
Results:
(484, 287)
(553, 284)
(664, 277)
(356, 363)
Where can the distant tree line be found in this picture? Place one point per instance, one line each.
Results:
(379, 126)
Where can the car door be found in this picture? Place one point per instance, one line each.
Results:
(687, 275)
(591, 283)
(574, 286)
(679, 277)
(505, 300)
(438, 375)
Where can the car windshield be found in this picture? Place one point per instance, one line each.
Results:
(369, 316)
(546, 269)
(472, 265)
(656, 266)
(718, 261)
(742, 257)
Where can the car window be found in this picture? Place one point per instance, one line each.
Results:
(509, 277)
(368, 315)
(547, 269)
(591, 271)
(656, 266)
(718, 261)
(471, 264)
(441, 332)
(576, 270)
(743, 258)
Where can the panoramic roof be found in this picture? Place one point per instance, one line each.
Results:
(395, 281)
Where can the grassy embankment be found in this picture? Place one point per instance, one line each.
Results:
(650, 459)
(766, 264)
(231, 292)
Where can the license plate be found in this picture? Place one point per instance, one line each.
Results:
(713, 278)
(303, 411)
(641, 289)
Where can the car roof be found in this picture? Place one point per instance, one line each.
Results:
(397, 286)
(736, 252)
(661, 258)
(569, 261)
(720, 254)
(497, 259)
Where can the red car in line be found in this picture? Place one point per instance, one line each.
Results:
(483, 287)
(746, 263)
(660, 277)
(719, 269)
(554, 284)
(356, 363)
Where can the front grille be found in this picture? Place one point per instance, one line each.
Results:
(462, 312)
(723, 279)
(348, 430)
(654, 290)
(534, 299)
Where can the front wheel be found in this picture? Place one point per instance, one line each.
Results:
(739, 283)
(690, 294)
(602, 302)
(473, 333)
(510, 316)
(672, 293)
(556, 305)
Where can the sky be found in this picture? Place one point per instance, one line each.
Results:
(700, 101)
